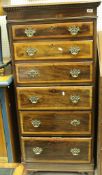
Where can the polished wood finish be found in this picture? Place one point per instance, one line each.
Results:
(99, 152)
(56, 167)
(55, 98)
(56, 30)
(63, 72)
(51, 50)
(56, 123)
(57, 150)
(45, 93)
(3, 150)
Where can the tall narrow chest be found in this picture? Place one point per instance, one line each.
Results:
(54, 56)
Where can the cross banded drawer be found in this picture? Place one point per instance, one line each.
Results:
(55, 98)
(50, 50)
(55, 30)
(56, 123)
(63, 72)
(72, 150)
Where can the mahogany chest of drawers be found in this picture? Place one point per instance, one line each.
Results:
(53, 49)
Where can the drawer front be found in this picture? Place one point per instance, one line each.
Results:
(58, 98)
(55, 30)
(72, 150)
(56, 123)
(45, 50)
(54, 72)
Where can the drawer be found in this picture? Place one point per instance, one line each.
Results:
(55, 30)
(63, 72)
(71, 150)
(56, 123)
(58, 98)
(50, 50)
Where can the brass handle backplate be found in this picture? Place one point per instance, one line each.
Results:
(36, 123)
(30, 32)
(37, 150)
(34, 99)
(33, 73)
(75, 73)
(75, 151)
(75, 122)
(74, 50)
(31, 51)
(75, 99)
(74, 30)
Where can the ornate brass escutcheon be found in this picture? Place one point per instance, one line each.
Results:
(36, 123)
(74, 50)
(75, 151)
(30, 32)
(75, 73)
(37, 150)
(75, 99)
(74, 30)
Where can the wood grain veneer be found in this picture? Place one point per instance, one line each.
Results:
(56, 123)
(51, 50)
(44, 88)
(56, 150)
(56, 72)
(55, 98)
(55, 30)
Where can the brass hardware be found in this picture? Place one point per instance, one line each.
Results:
(74, 30)
(75, 122)
(33, 73)
(75, 99)
(75, 151)
(75, 73)
(52, 28)
(30, 32)
(37, 150)
(34, 99)
(31, 51)
(36, 123)
(74, 50)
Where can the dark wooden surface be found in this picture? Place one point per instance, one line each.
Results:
(99, 153)
(52, 50)
(48, 49)
(55, 98)
(57, 150)
(30, 73)
(56, 30)
(56, 123)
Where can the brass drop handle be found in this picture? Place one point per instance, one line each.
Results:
(37, 150)
(33, 73)
(31, 51)
(34, 99)
(75, 151)
(75, 99)
(74, 50)
(30, 32)
(74, 30)
(75, 73)
(75, 122)
(36, 123)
